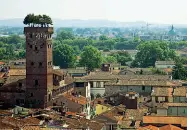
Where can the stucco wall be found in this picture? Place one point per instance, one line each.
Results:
(162, 112)
(139, 89)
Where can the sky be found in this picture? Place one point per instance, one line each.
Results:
(152, 11)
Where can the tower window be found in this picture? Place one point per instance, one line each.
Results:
(36, 82)
(31, 95)
(20, 84)
(36, 48)
(32, 63)
(40, 63)
(30, 35)
(30, 46)
(50, 63)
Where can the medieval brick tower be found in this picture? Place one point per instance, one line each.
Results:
(39, 66)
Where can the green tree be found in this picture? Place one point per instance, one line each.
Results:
(150, 52)
(91, 57)
(110, 59)
(103, 37)
(179, 72)
(64, 35)
(122, 57)
(64, 56)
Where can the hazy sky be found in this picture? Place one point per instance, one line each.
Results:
(162, 11)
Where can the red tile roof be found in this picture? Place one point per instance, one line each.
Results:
(2, 63)
(149, 127)
(165, 120)
(170, 127)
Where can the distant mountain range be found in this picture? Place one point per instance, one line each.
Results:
(18, 22)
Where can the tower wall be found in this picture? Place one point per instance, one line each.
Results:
(39, 66)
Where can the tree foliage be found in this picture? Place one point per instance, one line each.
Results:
(63, 55)
(179, 72)
(150, 52)
(37, 20)
(91, 57)
(122, 57)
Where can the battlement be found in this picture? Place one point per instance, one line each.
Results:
(38, 30)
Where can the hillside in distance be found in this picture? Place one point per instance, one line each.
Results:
(18, 22)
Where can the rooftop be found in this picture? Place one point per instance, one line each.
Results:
(165, 120)
(77, 99)
(139, 83)
(162, 91)
(17, 72)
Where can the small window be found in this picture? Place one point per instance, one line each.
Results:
(40, 63)
(50, 63)
(31, 95)
(36, 48)
(20, 84)
(36, 83)
(32, 63)
(30, 46)
(30, 35)
(143, 88)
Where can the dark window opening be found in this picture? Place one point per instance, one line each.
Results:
(30, 46)
(31, 95)
(36, 48)
(50, 63)
(36, 83)
(40, 63)
(20, 84)
(143, 87)
(32, 63)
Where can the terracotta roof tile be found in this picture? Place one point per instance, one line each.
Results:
(77, 99)
(14, 79)
(139, 82)
(4, 126)
(31, 128)
(136, 114)
(149, 127)
(31, 121)
(180, 91)
(2, 63)
(162, 91)
(17, 72)
(170, 127)
(165, 120)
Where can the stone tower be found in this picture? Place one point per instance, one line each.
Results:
(39, 66)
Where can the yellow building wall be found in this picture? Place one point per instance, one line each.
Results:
(101, 108)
